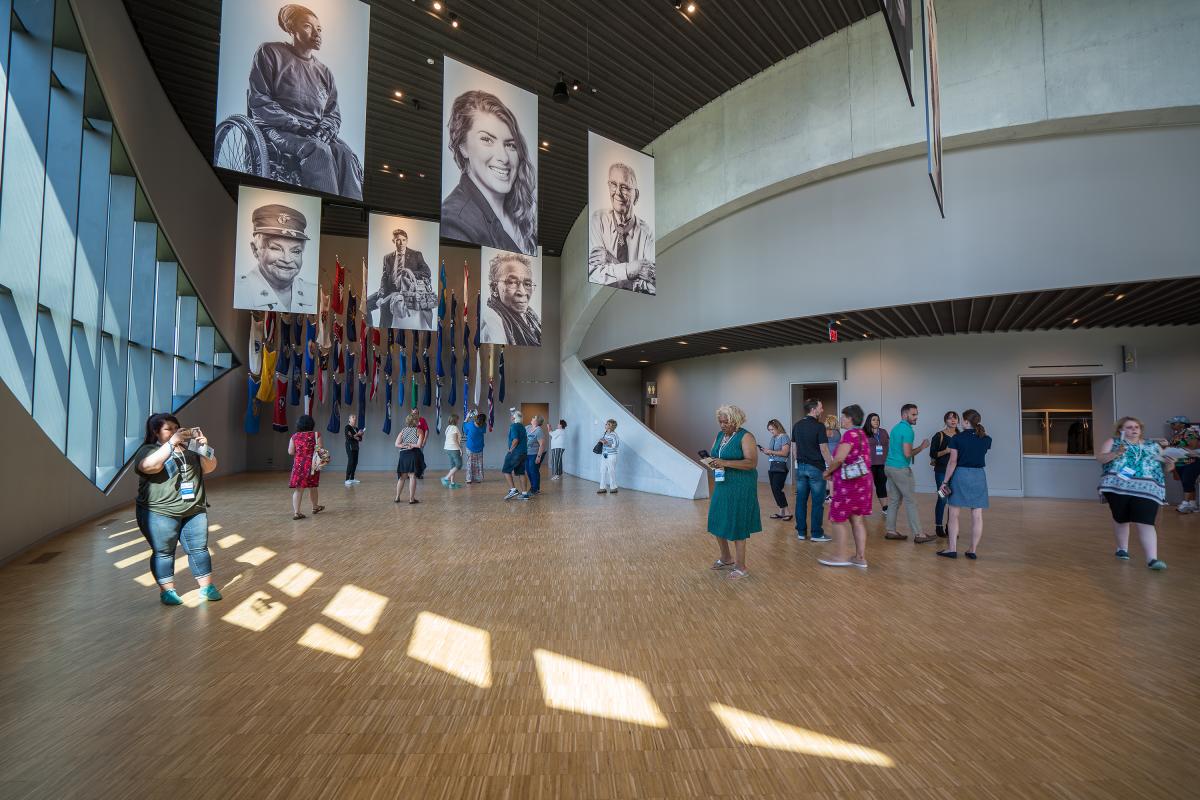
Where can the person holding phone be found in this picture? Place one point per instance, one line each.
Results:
(733, 513)
(171, 504)
(354, 435)
(1134, 486)
(778, 454)
(964, 484)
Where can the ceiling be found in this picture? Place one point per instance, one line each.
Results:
(650, 64)
(1172, 302)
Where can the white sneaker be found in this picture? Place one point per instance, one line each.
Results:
(511, 494)
(350, 483)
(1187, 507)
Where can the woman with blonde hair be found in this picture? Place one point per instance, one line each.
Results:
(733, 513)
(778, 455)
(410, 464)
(1134, 486)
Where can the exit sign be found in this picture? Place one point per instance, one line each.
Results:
(832, 332)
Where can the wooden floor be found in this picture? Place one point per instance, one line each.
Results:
(578, 646)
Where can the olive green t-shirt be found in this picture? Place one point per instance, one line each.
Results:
(159, 492)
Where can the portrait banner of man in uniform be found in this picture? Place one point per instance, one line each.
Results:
(511, 312)
(402, 273)
(278, 251)
(620, 216)
(292, 92)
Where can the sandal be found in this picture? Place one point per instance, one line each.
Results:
(786, 518)
(737, 574)
(777, 516)
(719, 564)
(318, 509)
(298, 516)
(895, 535)
(413, 502)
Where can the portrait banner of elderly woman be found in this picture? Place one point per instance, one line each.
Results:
(512, 305)
(489, 161)
(276, 258)
(292, 92)
(620, 216)
(402, 287)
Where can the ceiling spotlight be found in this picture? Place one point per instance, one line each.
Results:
(608, 359)
(681, 342)
(454, 20)
(678, 4)
(437, 6)
(691, 8)
(560, 94)
(429, 61)
(401, 174)
(643, 361)
(723, 347)
(601, 371)
(574, 86)
(420, 174)
(1075, 321)
(385, 166)
(1120, 297)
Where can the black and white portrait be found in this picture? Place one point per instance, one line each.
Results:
(489, 161)
(291, 92)
(278, 251)
(933, 102)
(512, 305)
(402, 257)
(898, 20)
(620, 216)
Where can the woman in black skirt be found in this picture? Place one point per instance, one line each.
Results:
(411, 464)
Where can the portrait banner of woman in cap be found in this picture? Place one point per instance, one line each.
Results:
(278, 250)
(512, 301)
(402, 273)
(489, 161)
(292, 92)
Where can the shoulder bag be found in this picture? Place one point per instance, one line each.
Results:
(852, 470)
(599, 448)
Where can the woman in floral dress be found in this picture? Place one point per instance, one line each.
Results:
(301, 446)
(852, 498)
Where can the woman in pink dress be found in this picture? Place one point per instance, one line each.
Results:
(302, 445)
(852, 498)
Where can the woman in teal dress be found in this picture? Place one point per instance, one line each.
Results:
(733, 513)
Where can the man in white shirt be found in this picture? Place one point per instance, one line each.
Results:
(622, 254)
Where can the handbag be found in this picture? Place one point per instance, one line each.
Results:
(855, 469)
(599, 448)
(777, 466)
(320, 460)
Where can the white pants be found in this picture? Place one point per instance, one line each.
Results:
(608, 472)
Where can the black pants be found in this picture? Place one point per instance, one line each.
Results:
(877, 474)
(778, 479)
(351, 462)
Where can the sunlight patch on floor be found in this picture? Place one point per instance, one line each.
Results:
(357, 608)
(572, 685)
(129, 562)
(759, 731)
(256, 557)
(255, 613)
(295, 579)
(318, 637)
(226, 542)
(453, 647)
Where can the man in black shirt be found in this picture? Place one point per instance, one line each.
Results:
(354, 435)
(810, 443)
(939, 459)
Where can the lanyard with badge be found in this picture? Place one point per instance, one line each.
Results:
(187, 489)
(719, 472)
(1126, 471)
(878, 444)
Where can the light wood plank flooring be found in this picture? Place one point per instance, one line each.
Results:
(578, 646)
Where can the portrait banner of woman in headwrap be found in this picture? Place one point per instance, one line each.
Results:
(292, 92)
(489, 161)
(512, 301)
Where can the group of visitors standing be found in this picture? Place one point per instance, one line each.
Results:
(856, 461)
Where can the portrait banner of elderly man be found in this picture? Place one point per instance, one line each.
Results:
(292, 92)
(512, 303)
(620, 216)
(489, 161)
(278, 250)
(402, 289)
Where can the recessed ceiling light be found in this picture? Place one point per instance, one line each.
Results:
(429, 61)
(385, 166)
(691, 8)
(723, 347)
(401, 174)
(643, 361)
(420, 174)
(454, 20)
(1075, 321)
(681, 342)
(1120, 297)
(545, 143)
(398, 93)
(437, 6)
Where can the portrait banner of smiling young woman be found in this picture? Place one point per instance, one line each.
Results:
(402, 276)
(489, 161)
(278, 251)
(292, 92)
(620, 216)
(511, 310)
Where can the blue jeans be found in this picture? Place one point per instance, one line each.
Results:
(164, 533)
(939, 510)
(534, 471)
(810, 481)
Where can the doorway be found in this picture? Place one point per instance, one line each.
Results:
(528, 410)
(827, 393)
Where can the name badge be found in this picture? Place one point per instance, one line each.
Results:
(187, 490)
(1127, 472)
(718, 475)
(878, 449)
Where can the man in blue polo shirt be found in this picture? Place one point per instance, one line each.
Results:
(901, 485)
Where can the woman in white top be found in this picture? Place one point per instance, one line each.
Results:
(610, 445)
(558, 443)
(454, 448)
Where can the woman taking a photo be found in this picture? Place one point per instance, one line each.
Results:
(733, 513)
(852, 482)
(303, 444)
(411, 462)
(965, 484)
(171, 506)
(778, 458)
(877, 440)
(1134, 487)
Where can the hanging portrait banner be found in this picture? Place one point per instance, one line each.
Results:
(278, 251)
(933, 103)
(489, 161)
(292, 92)
(620, 216)
(897, 15)
(402, 273)
(512, 302)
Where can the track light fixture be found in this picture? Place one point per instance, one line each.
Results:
(561, 95)
(601, 371)
(453, 20)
